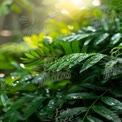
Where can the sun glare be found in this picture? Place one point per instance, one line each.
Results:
(64, 11)
(74, 5)
(96, 2)
(77, 2)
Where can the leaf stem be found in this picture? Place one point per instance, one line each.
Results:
(93, 104)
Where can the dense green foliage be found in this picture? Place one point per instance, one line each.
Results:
(112, 8)
(74, 78)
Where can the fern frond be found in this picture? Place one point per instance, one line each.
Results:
(68, 61)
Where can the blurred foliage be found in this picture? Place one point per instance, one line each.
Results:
(47, 18)
(72, 22)
(5, 7)
(35, 40)
(10, 52)
(64, 18)
(112, 8)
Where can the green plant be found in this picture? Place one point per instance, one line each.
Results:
(88, 90)
(112, 8)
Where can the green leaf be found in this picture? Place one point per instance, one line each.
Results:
(45, 49)
(112, 102)
(72, 60)
(67, 47)
(81, 96)
(77, 37)
(28, 87)
(32, 107)
(29, 55)
(9, 80)
(105, 25)
(5, 100)
(93, 86)
(79, 120)
(117, 91)
(115, 38)
(86, 43)
(69, 60)
(84, 49)
(18, 104)
(71, 112)
(109, 69)
(101, 38)
(93, 119)
(75, 47)
(77, 58)
(53, 104)
(15, 117)
(35, 54)
(63, 62)
(91, 61)
(106, 113)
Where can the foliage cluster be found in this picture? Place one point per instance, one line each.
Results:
(87, 95)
